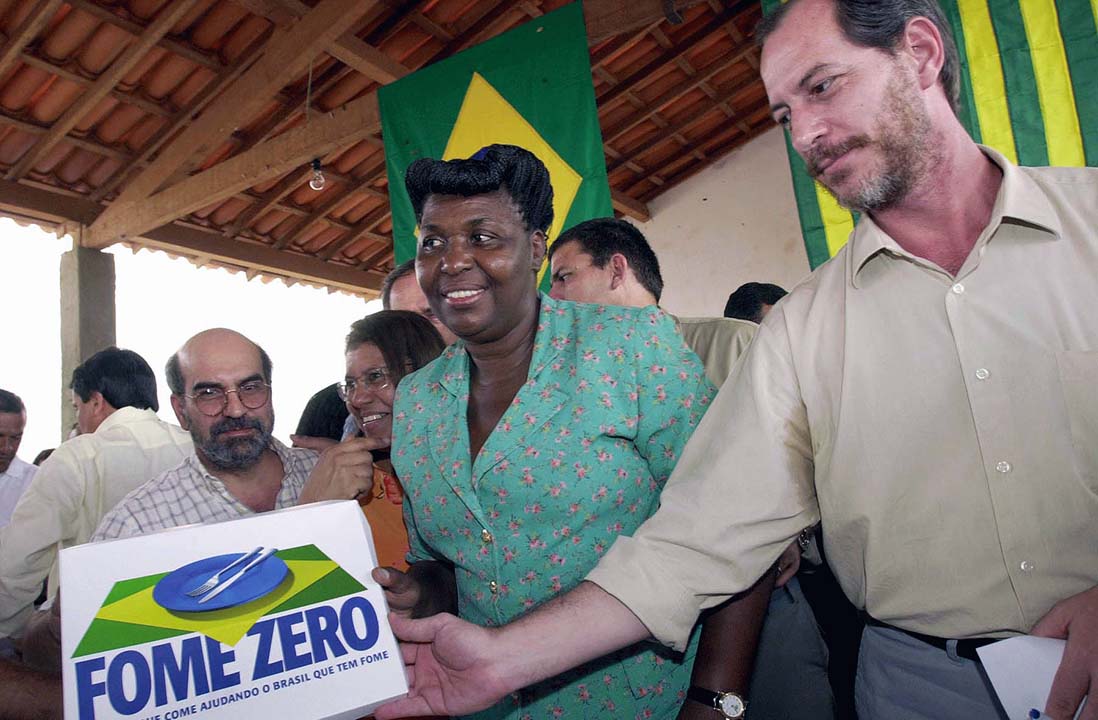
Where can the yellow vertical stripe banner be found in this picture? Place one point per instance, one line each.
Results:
(986, 74)
(1054, 92)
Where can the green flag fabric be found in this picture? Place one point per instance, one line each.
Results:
(530, 87)
(1029, 89)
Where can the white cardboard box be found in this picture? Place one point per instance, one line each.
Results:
(313, 644)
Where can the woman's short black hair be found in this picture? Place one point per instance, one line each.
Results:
(492, 168)
(407, 341)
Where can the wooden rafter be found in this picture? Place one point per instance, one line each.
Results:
(206, 60)
(168, 17)
(367, 223)
(606, 18)
(184, 116)
(693, 119)
(614, 134)
(36, 61)
(191, 241)
(27, 31)
(273, 158)
(322, 209)
(628, 205)
(348, 48)
(650, 70)
(287, 55)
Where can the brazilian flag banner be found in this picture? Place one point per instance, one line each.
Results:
(1029, 89)
(529, 87)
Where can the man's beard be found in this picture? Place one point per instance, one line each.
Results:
(234, 453)
(903, 134)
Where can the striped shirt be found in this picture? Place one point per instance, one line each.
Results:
(189, 494)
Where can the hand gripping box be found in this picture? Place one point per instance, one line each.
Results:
(295, 628)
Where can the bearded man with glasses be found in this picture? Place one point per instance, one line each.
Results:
(221, 393)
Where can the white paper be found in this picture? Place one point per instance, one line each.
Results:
(1021, 670)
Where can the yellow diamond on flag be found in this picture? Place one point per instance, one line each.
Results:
(486, 118)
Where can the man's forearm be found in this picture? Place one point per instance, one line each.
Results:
(577, 627)
(730, 638)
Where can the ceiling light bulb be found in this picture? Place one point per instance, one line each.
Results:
(317, 181)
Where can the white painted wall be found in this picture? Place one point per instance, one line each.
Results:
(732, 223)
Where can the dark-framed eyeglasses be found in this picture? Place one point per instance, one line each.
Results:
(212, 401)
(377, 379)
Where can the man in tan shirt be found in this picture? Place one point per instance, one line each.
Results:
(931, 393)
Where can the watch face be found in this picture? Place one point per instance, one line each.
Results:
(731, 705)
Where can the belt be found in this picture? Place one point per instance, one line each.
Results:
(965, 648)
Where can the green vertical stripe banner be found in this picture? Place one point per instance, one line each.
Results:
(530, 87)
(1029, 88)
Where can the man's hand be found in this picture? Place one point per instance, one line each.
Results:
(343, 472)
(1074, 619)
(788, 564)
(450, 666)
(320, 444)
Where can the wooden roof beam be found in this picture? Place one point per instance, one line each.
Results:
(287, 56)
(682, 125)
(348, 48)
(606, 18)
(673, 94)
(366, 224)
(27, 30)
(137, 30)
(271, 159)
(134, 52)
(184, 116)
(191, 241)
(64, 73)
(651, 70)
(630, 206)
(84, 144)
(321, 210)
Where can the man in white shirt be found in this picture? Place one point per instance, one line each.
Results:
(121, 446)
(15, 474)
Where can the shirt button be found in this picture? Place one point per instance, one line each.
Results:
(1026, 566)
(982, 374)
(958, 289)
(1003, 466)
(486, 536)
(494, 587)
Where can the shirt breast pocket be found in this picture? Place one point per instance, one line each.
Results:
(1079, 382)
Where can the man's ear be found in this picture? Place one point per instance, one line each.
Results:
(100, 408)
(923, 43)
(538, 249)
(180, 413)
(620, 270)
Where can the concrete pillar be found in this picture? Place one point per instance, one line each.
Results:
(87, 316)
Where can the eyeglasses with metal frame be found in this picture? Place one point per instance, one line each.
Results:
(376, 379)
(212, 401)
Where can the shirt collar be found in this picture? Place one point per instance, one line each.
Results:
(124, 416)
(1020, 200)
(454, 363)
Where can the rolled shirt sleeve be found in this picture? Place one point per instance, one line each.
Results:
(741, 492)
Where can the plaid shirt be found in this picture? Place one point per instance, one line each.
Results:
(189, 494)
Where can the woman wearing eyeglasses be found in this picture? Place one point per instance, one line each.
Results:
(381, 349)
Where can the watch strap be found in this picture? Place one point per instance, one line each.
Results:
(703, 696)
